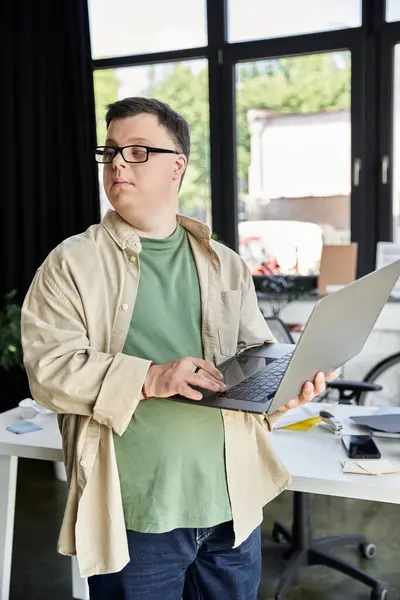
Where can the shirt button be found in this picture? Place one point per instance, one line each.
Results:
(124, 307)
(132, 258)
(138, 244)
(83, 464)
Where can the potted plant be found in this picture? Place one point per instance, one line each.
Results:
(13, 381)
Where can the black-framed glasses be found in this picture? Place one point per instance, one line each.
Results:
(130, 154)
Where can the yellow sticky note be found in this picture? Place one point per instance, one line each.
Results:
(304, 425)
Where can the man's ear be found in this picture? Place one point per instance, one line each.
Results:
(180, 167)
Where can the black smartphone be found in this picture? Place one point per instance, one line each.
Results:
(360, 446)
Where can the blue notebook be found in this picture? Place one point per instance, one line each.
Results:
(25, 427)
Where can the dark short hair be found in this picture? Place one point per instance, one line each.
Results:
(175, 124)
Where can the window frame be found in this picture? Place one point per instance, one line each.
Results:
(370, 46)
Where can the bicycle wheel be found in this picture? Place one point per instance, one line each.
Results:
(387, 374)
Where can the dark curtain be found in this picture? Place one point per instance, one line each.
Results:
(49, 177)
(50, 184)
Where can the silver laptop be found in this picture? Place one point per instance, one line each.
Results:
(263, 378)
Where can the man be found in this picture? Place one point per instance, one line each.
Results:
(165, 499)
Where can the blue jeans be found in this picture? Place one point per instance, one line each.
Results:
(193, 564)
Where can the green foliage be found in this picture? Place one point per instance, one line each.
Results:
(300, 84)
(106, 85)
(10, 334)
(187, 93)
(303, 84)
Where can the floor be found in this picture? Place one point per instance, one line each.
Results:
(38, 568)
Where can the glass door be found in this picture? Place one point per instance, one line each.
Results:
(293, 131)
(396, 148)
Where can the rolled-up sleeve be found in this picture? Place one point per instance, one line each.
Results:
(66, 374)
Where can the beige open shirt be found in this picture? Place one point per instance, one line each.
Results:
(75, 319)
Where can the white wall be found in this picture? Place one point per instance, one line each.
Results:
(295, 156)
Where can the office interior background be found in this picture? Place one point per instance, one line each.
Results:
(294, 110)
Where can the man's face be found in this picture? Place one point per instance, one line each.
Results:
(144, 192)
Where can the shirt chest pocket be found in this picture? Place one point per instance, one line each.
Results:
(228, 323)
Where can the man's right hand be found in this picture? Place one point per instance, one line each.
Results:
(176, 377)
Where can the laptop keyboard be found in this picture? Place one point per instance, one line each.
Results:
(263, 384)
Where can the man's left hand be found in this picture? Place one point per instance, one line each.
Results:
(310, 390)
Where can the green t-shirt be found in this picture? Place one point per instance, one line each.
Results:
(171, 459)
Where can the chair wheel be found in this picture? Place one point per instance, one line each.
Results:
(379, 594)
(277, 536)
(368, 551)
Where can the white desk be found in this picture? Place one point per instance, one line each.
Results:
(43, 445)
(312, 457)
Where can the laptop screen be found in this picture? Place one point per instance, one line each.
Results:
(237, 369)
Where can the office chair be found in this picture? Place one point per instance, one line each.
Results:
(280, 290)
(349, 390)
(296, 544)
(279, 330)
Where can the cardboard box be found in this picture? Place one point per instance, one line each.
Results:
(338, 266)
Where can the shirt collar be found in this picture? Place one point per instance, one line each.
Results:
(125, 236)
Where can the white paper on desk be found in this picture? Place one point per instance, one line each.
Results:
(369, 467)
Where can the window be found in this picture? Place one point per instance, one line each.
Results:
(258, 19)
(293, 157)
(125, 27)
(392, 10)
(183, 85)
(396, 147)
(312, 117)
